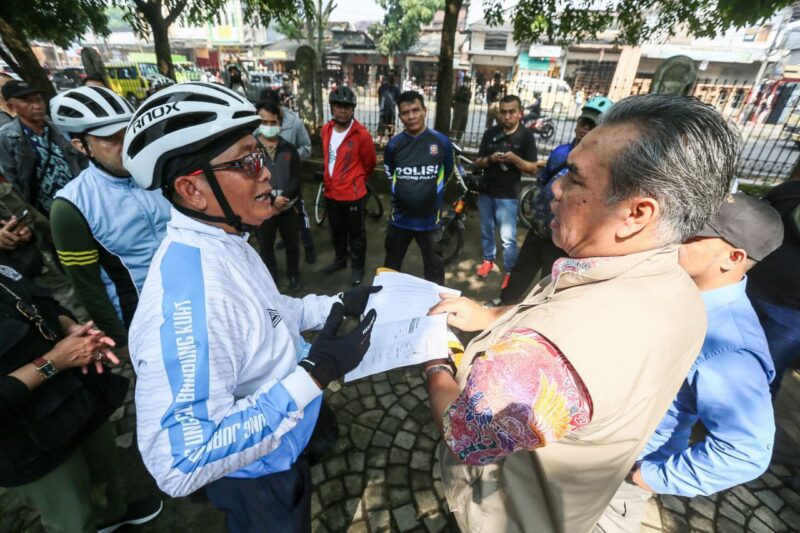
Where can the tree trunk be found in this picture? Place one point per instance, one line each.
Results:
(444, 85)
(160, 30)
(27, 65)
(320, 49)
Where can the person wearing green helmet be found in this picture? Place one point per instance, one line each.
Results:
(538, 253)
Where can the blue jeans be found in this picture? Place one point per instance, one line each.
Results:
(501, 212)
(782, 328)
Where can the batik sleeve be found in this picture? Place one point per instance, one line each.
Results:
(521, 394)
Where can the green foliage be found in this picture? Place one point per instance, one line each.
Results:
(638, 21)
(203, 11)
(307, 23)
(403, 21)
(59, 21)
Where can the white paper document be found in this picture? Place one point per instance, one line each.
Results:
(403, 334)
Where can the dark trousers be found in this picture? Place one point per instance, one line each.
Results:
(396, 244)
(288, 224)
(348, 230)
(305, 224)
(279, 502)
(534, 262)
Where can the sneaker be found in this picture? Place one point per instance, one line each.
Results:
(139, 512)
(311, 255)
(333, 267)
(294, 283)
(356, 277)
(505, 282)
(486, 267)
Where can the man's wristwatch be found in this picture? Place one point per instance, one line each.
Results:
(45, 367)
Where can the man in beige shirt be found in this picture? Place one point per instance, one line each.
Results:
(555, 398)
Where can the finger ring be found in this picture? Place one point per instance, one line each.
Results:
(99, 356)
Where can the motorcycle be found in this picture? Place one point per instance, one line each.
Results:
(542, 126)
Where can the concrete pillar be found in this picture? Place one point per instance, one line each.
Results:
(627, 65)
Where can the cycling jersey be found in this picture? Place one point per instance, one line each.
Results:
(215, 348)
(106, 230)
(418, 167)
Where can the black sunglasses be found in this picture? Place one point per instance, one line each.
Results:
(30, 312)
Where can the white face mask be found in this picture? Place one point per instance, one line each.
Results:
(269, 131)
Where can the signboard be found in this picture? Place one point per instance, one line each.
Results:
(541, 51)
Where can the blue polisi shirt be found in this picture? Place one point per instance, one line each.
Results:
(418, 168)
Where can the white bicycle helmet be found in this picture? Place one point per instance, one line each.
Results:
(94, 110)
(181, 120)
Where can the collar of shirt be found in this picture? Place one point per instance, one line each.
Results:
(417, 136)
(108, 179)
(724, 295)
(569, 271)
(30, 133)
(179, 221)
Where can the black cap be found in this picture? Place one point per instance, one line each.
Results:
(18, 89)
(748, 223)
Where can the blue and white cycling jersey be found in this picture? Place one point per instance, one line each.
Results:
(215, 348)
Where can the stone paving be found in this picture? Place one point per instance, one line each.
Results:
(383, 476)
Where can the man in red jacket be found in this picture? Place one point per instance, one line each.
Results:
(349, 151)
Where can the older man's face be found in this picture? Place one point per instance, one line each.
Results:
(584, 226)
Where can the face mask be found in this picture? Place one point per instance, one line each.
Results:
(269, 131)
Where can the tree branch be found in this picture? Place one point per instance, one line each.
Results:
(175, 12)
(5, 56)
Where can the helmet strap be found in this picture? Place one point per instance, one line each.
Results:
(229, 217)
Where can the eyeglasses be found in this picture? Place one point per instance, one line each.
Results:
(251, 165)
(30, 312)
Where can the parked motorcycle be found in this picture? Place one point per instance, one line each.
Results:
(542, 126)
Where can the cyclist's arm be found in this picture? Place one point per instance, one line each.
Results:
(79, 255)
(483, 152)
(449, 158)
(367, 153)
(388, 160)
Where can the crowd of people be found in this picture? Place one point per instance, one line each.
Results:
(649, 297)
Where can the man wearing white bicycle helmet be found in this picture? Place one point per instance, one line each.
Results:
(221, 399)
(105, 227)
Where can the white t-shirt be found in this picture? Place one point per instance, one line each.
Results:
(336, 141)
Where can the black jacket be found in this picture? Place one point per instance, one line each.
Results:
(39, 429)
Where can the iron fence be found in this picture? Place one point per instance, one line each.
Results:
(767, 117)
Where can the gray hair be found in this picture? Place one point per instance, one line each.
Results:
(684, 157)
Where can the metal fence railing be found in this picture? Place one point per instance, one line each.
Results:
(767, 117)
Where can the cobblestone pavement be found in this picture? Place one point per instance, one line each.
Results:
(383, 476)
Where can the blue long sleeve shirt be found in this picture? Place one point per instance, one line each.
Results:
(727, 389)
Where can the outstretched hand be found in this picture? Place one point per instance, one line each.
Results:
(463, 313)
(332, 356)
(355, 300)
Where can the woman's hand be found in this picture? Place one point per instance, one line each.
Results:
(84, 345)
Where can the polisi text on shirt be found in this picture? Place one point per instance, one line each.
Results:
(155, 113)
(422, 170)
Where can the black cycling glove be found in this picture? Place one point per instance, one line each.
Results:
(331, 356)
(355, 300)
